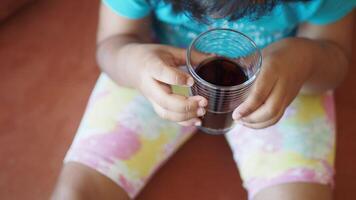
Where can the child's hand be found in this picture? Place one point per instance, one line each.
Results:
(282, 75)
(157, 69)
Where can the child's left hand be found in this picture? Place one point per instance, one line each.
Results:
(282, 75)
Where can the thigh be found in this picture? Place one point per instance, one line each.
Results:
(299, 148)
(121, 137)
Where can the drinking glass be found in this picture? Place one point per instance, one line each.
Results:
(236, 47)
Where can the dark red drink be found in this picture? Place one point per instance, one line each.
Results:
(221, 72)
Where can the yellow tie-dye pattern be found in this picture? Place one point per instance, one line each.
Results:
(330, 158)
(150, 153)
(103, 115)
(269, 165)
(309, 107)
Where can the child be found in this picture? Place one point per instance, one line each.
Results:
(287, 122)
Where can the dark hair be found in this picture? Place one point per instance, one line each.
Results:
(232, 9)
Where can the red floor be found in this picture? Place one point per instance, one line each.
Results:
(47, 71)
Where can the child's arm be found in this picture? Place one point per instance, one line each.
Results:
(114, 34)
(313, 62)
(124, 54)
(330, 48)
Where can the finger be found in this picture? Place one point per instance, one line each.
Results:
(176, 117)
(179, 55)
(202, 101)
(160, 94)
(170, 75)
(259, 93)
(191, 122)
(274, 105)
(266, 123)
(197, 57)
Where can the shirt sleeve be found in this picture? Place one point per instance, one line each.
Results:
(132, 9)
(330, 11)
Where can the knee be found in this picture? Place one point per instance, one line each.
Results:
(68, 188)
(63, 191)
(77, 182)
(291, 191)
(72, 184)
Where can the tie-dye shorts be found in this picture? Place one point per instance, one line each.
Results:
(121, 137)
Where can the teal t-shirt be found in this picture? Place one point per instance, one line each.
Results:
(282, 21)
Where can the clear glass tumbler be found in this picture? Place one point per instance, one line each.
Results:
(231, 49)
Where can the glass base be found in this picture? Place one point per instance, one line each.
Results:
(211, 131)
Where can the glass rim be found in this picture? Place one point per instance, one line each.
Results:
(213, 86)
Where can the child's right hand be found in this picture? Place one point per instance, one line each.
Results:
(157, 69)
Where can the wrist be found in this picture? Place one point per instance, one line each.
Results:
(114, 57)
(128, 68)
(328, 65)
(298, 54)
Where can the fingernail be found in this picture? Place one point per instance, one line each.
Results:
(198, 123)
(203, 103)
(201, 112)
(190, 81)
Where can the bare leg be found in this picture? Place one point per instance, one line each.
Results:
(295, 191)
(77, 182)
